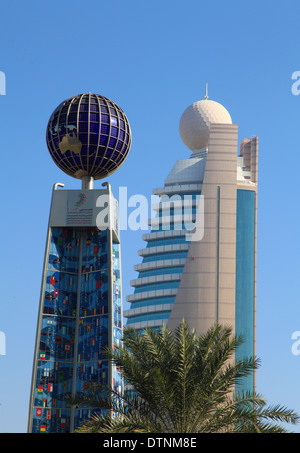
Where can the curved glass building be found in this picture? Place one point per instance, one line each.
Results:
(167, 245)
(199, 262)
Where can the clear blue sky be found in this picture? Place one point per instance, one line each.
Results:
(153, 59)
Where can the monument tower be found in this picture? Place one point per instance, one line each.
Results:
(80, 311)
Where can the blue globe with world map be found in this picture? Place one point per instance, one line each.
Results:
(88, 135)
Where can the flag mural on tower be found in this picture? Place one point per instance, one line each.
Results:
(55, 370)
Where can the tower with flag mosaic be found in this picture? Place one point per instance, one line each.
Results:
(80, 309)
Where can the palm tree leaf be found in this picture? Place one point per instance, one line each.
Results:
(181, 382)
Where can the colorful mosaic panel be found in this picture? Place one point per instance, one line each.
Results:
(74, 329)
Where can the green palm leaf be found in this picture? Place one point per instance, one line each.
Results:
(182, 383)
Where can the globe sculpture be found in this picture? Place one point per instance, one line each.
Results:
(88, 135)
(194, 125)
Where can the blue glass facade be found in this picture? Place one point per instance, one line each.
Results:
(77, 321)
(245, 278)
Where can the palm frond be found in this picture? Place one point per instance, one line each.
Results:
(183, 383)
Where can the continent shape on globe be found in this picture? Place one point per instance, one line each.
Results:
(70, 142)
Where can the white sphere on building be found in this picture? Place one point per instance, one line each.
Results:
(194, 125)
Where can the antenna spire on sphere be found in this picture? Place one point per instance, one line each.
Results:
(206, 91)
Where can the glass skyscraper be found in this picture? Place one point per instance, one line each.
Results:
(199, 262)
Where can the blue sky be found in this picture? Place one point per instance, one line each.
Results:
(153, 59)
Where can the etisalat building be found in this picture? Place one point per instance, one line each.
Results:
(208, 276)
(199, 262)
